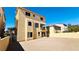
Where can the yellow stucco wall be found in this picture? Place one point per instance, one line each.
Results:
(20, 17)
(4, 43)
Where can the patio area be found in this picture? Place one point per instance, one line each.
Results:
(51, 44)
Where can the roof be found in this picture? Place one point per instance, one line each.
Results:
(59, 25)
(29, 11)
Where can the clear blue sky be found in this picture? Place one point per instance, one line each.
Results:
(53, 15)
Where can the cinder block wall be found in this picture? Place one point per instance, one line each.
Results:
(4, 43)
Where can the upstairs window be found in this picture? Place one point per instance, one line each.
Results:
(36, 25)
(33, 15)
(27, 13)
(41, 19)
(29, 24)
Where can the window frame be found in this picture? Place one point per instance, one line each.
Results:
(29, 23)
(27, 14)
(36, 25)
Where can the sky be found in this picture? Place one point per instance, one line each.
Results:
(53, 15)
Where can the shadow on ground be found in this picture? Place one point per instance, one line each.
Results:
(14, 46)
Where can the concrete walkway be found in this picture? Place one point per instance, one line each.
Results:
(51, 44)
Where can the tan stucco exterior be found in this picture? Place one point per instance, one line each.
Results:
(22, 24)
(4, 43)
(2, 22)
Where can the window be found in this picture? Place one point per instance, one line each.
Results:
(29, 24)
(29, 34)
(41, 18)
(38, 33)
(33, 15)
(57, 28)
(43, 34)
(36, 25)
(42, 26)
(27, 13)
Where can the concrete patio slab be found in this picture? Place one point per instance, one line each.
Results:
(51, 44)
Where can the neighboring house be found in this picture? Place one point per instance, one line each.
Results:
(29, 25)
(11, 33)
(2, 22)
(61, 27)
(11, 30)
(56, 28)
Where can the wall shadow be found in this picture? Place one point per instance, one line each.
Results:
(14, 45)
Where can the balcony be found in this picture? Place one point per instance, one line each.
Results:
(44, 30)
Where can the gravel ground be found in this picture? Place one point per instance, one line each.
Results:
(51, 44)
